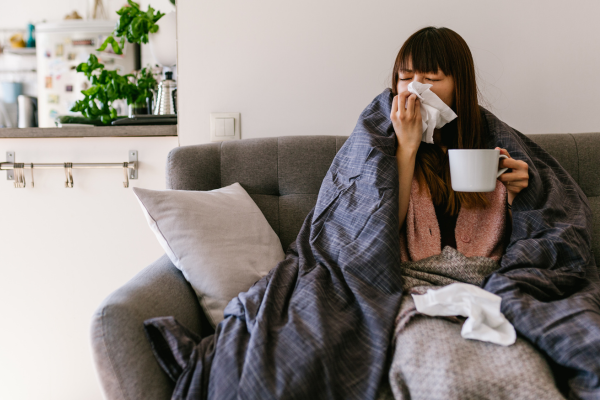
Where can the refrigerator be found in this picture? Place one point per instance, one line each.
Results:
(60, 47)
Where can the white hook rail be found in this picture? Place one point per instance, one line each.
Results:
(15, 171)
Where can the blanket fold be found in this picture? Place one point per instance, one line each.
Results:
(548, 278)
(320, 324)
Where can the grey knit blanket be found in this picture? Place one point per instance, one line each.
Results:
(432, 361)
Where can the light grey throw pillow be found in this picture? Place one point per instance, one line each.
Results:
(219, 239)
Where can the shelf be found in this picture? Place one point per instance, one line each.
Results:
(22, 51)
(16, 71)
(96, 131)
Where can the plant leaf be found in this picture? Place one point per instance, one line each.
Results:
(106, 43)
(134, 5)
(91, 91)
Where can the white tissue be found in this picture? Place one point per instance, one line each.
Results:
(434, 112)
(485, 322)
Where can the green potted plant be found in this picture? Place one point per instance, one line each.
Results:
(134, 25)
(145, 83)
(108, 86)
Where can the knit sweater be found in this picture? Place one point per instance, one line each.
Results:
(479, 231)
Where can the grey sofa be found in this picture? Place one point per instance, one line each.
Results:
(283, 176)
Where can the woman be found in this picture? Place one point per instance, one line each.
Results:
(425, 58)
(547, 277)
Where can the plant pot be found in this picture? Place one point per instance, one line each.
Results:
(140, 108)
(163, 44)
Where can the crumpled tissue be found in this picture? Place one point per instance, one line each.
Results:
(485, 322)
(434, 112)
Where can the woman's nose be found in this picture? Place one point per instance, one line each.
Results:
(418, 78)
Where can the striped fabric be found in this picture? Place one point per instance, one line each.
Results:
(320, 324)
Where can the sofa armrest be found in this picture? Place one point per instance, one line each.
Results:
(123, 357)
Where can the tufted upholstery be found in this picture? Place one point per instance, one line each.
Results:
(283, 175)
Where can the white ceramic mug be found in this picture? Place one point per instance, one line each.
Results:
(475, 170)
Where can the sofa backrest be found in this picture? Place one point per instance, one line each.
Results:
(283, 175)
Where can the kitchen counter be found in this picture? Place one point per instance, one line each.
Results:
(96, 131)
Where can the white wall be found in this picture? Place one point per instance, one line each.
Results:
(62, 250)
(310, 67)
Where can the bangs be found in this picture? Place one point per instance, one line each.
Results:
(427, 51)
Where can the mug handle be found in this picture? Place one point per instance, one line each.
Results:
(503, 170)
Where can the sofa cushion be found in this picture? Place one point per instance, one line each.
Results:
(563, 148)
(219, 239)
(588, 148)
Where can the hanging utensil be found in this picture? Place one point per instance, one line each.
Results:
(19, 172)
(126, 173)
(69, 175)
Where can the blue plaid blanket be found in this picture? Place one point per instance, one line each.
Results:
(320, 324)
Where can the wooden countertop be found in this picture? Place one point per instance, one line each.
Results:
(96, 131)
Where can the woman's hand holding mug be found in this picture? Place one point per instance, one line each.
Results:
(407, 121)
(517, 179)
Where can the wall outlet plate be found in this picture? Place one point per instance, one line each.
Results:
(214, 137)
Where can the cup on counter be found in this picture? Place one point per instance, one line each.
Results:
(11, 91)
(475, 170)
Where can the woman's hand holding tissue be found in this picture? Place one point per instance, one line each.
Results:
(408, 126)
(515, 180)
(407, 122)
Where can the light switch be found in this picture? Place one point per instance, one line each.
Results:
(225, 126)
(220, 126)
(229, 126)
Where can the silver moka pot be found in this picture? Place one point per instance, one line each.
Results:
(165, 101)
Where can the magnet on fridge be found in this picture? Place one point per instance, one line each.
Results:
(47, 54)
(53, 98)
(84, 85)
(57, 77)
(53, 114)
(68, 88)
(71, 56)
(48, 82)
(59, 50)
(83, 42)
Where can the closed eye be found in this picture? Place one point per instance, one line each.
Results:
(405, 79)
(433, 80)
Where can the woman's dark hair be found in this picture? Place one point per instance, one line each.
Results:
(429, 50)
